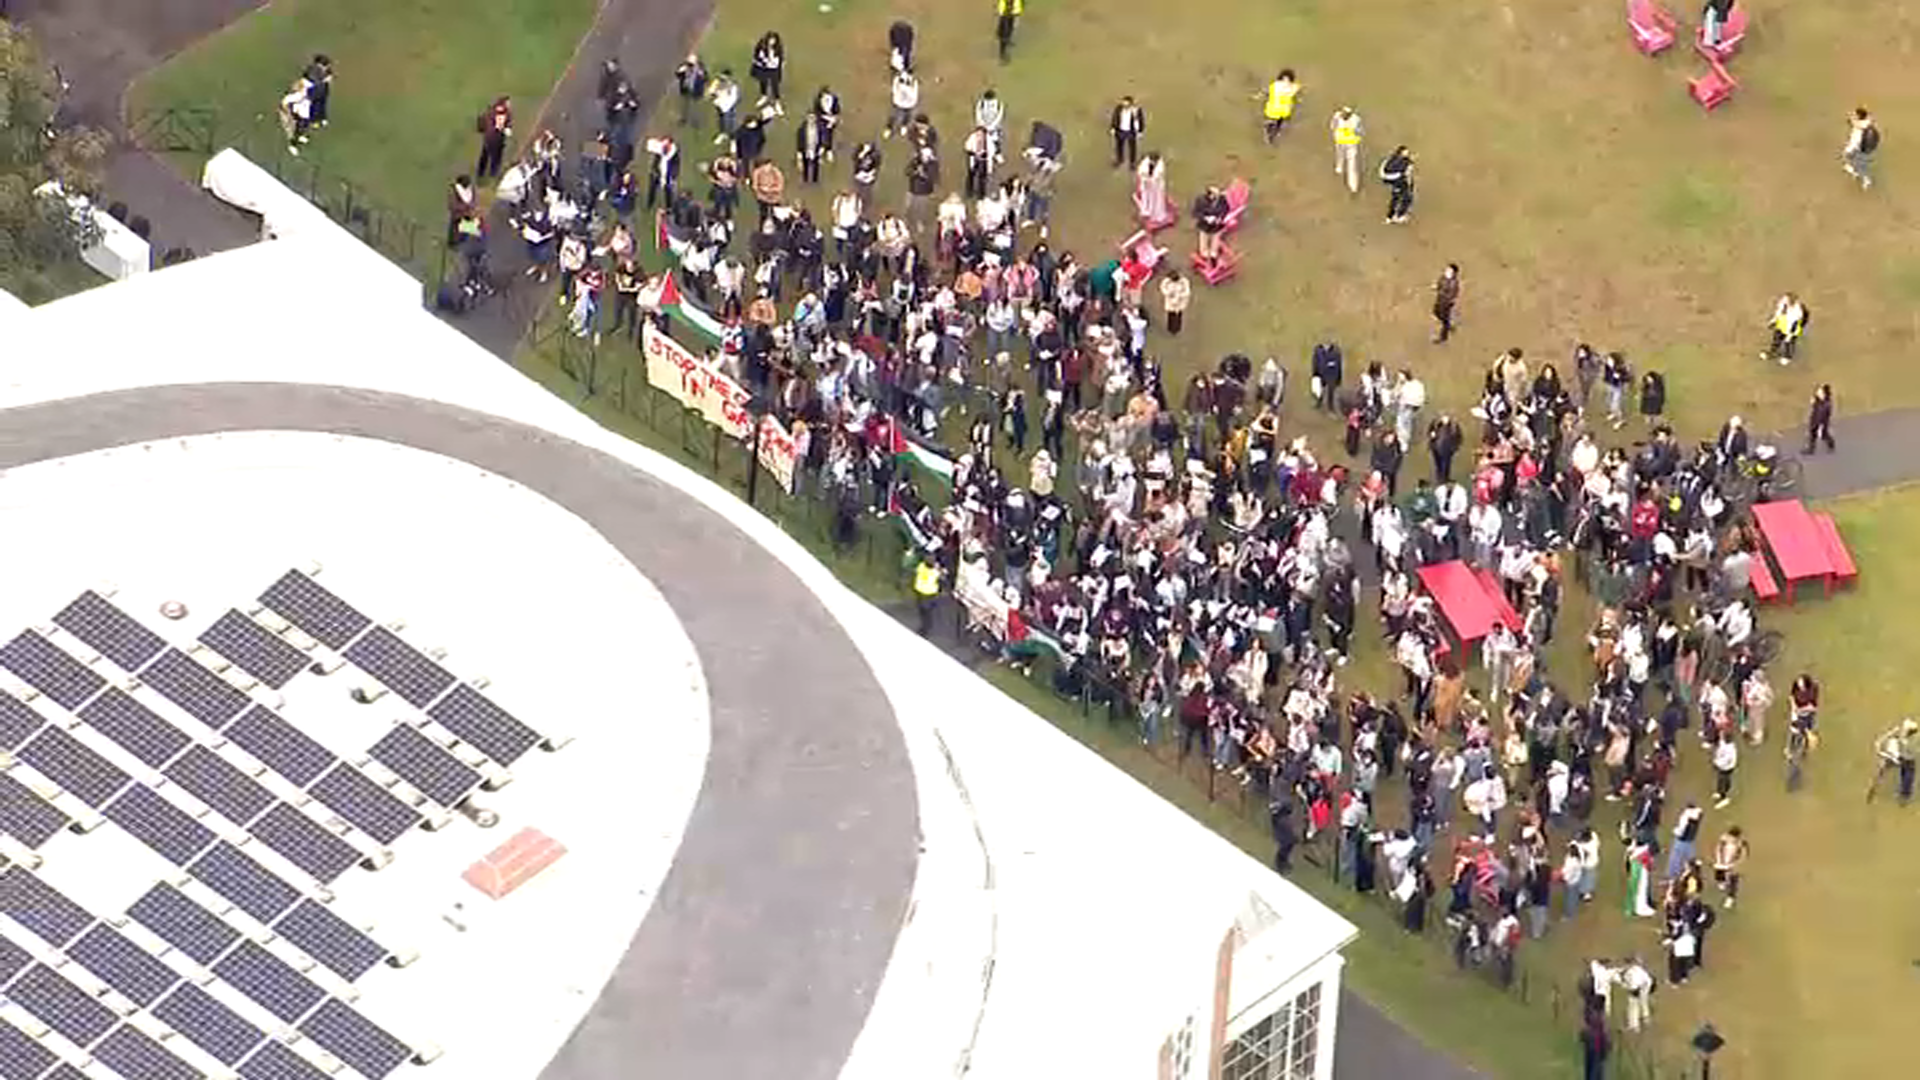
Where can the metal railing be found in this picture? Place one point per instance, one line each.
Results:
(199, 133)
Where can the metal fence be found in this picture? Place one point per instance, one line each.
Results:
(873, 555)
(199, 133)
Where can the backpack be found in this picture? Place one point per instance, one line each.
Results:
(1870, 139)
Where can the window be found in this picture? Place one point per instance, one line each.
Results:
(1283, 1046)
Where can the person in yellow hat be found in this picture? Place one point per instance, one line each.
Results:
(1282, 93)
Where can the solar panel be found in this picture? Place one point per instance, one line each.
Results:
(25, 816)
(13, 958)
(41, 908)
(69, 763)
(477, 721)
(64, 1071)
(47, 668)
(400, 667)
(364, 804)
(255, 649)
(423, 763)
(139, 730)
(131, 970)
(138, 1056)
(279, 745)
(243, 882)
(209, 1025)
(331, 941)
(187, 683)
(159, 824)
(269, 981)
(175, 919)
(111, 632)
(220, 784)
(305, 843)
(366, 1047)
(61, 1005)
(274, 1061)
(21, 1058)
(18, 721)
(308, 605)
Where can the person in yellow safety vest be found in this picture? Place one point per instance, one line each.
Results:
(1009, 12)
(1347, 133)
(1789, 322)
(926, 592)
(1282, 92)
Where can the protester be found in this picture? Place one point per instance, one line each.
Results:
(495, 127)
(1007, 14)
(1127, 124)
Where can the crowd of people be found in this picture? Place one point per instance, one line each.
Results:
(1197, 566)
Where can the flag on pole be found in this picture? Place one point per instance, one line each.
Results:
(908, 452)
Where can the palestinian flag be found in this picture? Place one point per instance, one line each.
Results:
(1025, 641)
(908, 452)
(686, 311)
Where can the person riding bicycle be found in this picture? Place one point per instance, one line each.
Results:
(1801, 735)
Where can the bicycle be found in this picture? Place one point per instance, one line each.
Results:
(1766, 475)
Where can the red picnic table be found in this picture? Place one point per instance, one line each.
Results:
(1804, 545)
(1470, 600)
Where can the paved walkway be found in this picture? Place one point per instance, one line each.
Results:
(763, 952)
(101, 47)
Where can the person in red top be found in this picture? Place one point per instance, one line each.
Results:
(1646, 519)
(495, 127)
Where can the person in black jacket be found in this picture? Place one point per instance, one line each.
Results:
(1210, 219)
(1443, 441)
(1397, 173)
(769, 64)
(1128, 123)
(810, 145)
(1387, 455)
(1820, 418)
(691, 80)
(1327, 374)
(1653, 395)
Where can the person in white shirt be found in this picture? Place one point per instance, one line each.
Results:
(725, 95)
(1410, 399)
(1637, 983)
(991, 113)
(1726, 758)
(1863, 140)
(905, 97)
(1484, 525)
(1496, 654)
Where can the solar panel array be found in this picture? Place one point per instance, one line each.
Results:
(125, 727)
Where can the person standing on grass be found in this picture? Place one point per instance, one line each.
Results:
(1127, 124)
(296, 109)
(1899, 749)
(1007, 14)
(1863, 141)
(1726, 758)
(903, 94)
(690, 78)
(1616, 378)
(1788, 323)
(769, 65)
(826, 110)
(1210, 220)
(1282, 94)
(1176, 292)
(1729, 856)
(664, 171)
(769, 187)
(1446, 294)
(1595, 1045)
(1347, 133)
(724, 93)
(810, 146)
(319, 76)
(495, 127)
(926, 592)
(1820, 419)
(1397, 173)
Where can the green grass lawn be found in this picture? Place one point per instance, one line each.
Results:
(409, 80)
(1585, 197)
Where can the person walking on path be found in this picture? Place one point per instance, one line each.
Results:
(1446, 294)
(1397, 173)
(1128, 123)
(1863, 141)
(1789, 321)
(495, 127)
(1820, 419)
(1008, 12)
(1347, 133)
(1282, 93)
(691, 80)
